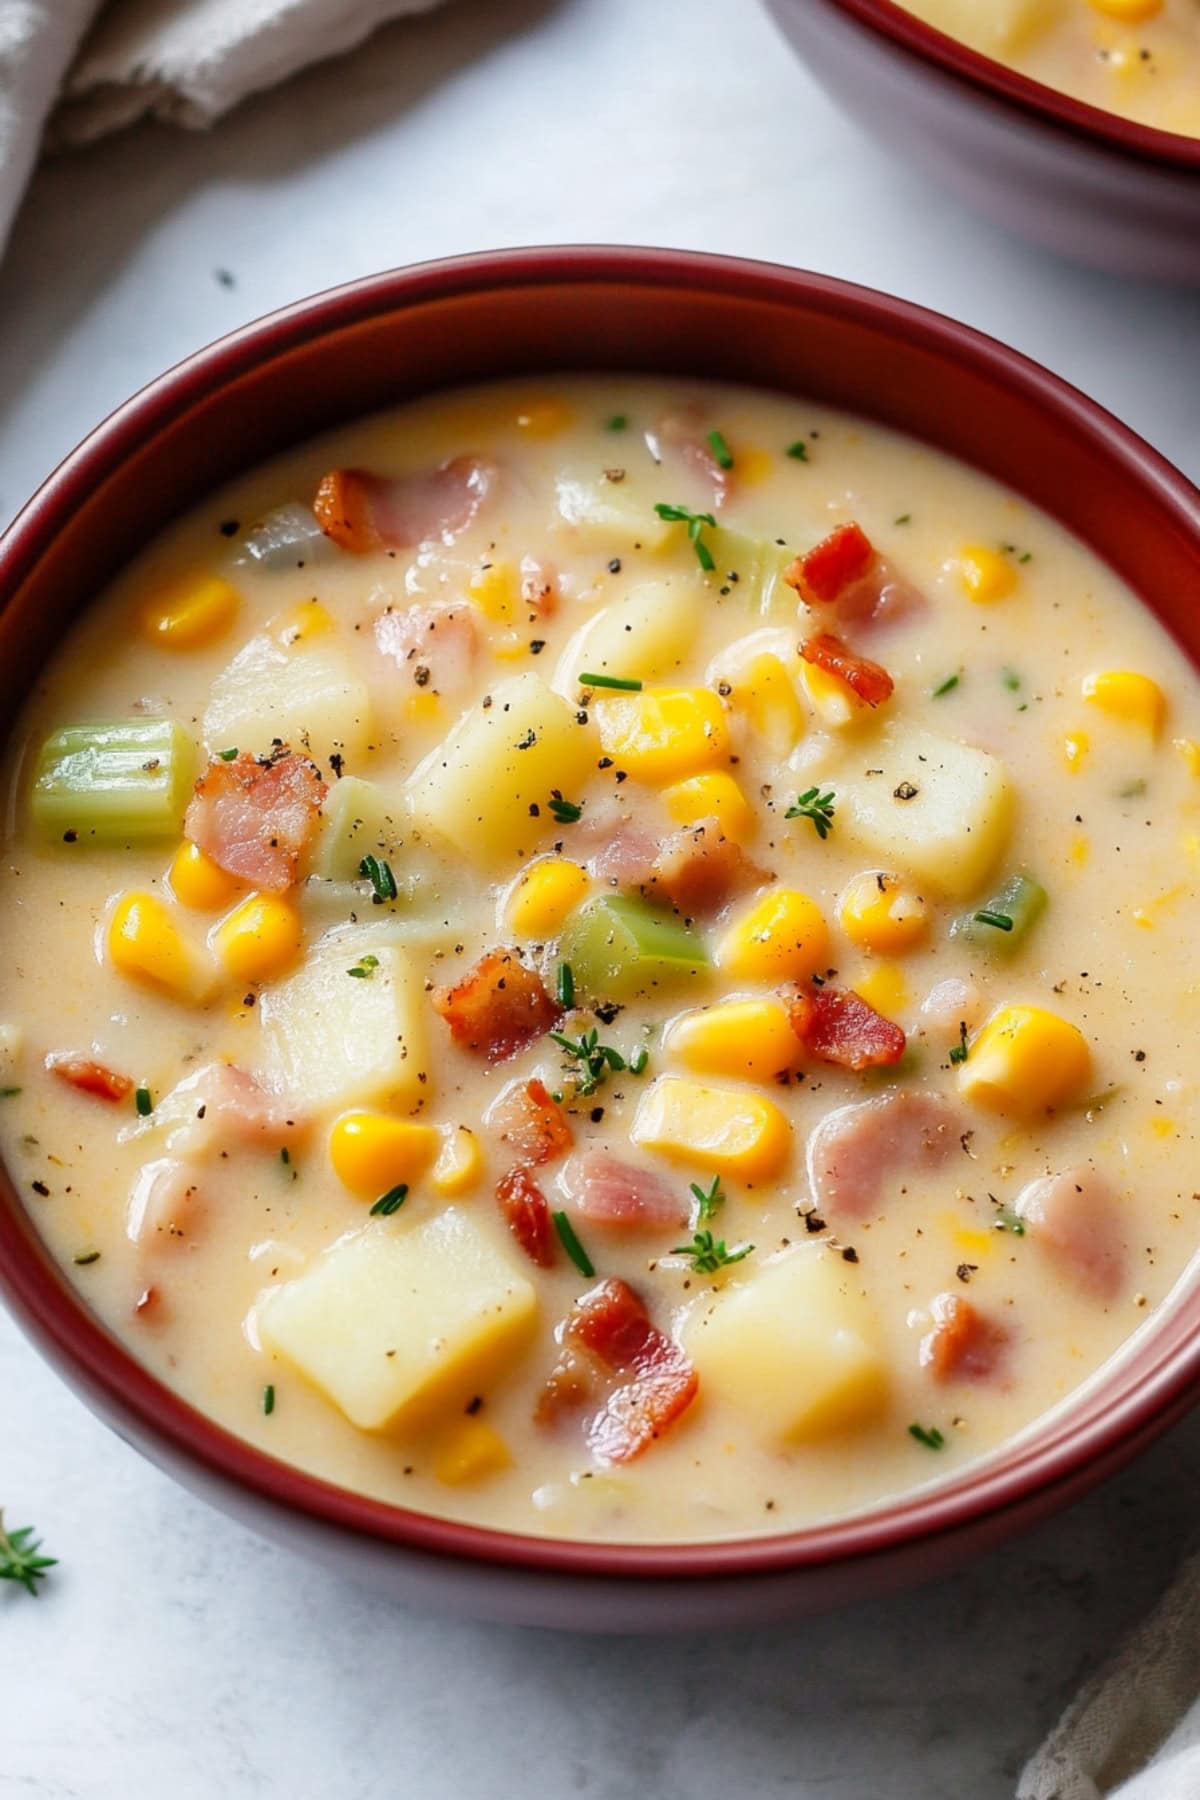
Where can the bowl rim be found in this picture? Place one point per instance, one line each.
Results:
(55, 1313)
(1149, 143)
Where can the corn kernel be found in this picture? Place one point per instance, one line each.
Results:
(1131, 12)
(544, 418)
(1189, 749)
(966, 1239)
(1079, 851)
(423, 707)
(1024, 1060)
(496, 591)
(1162, 1127)
(295, 624)
(985, 575)
(469, 1450)
(543, 895)
(783, 937)
(145, 943)
(662, 734)
(200, 883)
(885, 987)
(753, 465)
(749, 1038)
(190, 612)
(372, 1151)
(732, 1131)
(1076, 745)
(835, 704)
(879, 913)
(767, 698)
(1124, 694)
(259, 938)
(712, 796)
(460, 1161)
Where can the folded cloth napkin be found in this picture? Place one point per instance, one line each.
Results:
(187, 61)
(1133, 1733)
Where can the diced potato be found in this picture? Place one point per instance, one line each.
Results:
(939, 809)
(477, 787)
(397, 1323)
(607, 514)
(732, 1130)
(644, 635)
(360, 820)
(308, 696)
(793, 1347)
(335, 1041)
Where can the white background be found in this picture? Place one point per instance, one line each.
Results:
(173, 1655)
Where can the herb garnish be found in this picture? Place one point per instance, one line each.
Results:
(695, 523)
(228, 755)
(945, 687)
(797, 451)
(363, 968)
(593, 1058)
(998, 920)
(626, 683)
(816, 806)
(391, 1202)
(904, 519)
(86, 1258)
(711, 1200)
(19, 1559)
(566, 812)
(565, 986)
(143, 1102)
(380, 876)
(962, 1049)
(638, 1061)
(1007, 1220)
(720, 450)
(709, 1254)
(9, 1093)
(617, 422)
(930, 1436)
(572, 1246)
(285, 1156)
(268, 1399)
(1011, 680)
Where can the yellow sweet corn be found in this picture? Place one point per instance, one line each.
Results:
(1076, 745)
(783, 937)
(145, 943)
(1189, 749)
(544, 417)
(1024, 1060)
(753, 465)
(259, 938)
(766, 697)
(200, 883)
(878, 912)
(190, 612)
(885, 987)
(460, 1161)
(496, 590)
(731, 1131)
(298, 623)
(541, 898)
(749, 1038)
(712, 796)
(662, 734)
(1125, 694)
(372, 1151)
(985, 575)
(835, 704)
(967, 1240)
(1130, 12)
(469, 1450)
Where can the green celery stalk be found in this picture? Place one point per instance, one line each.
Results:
(120, 780)
(619, 947)
(1021, 899)
(758, 564)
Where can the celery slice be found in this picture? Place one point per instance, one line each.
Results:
(620, 946)
(121, 780)
(1021, 900)
(358, 819)
(752, 568)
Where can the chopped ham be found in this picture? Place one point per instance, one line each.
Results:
(1076, 1216)
(656, 1382)
(570, 1385)
(964, 1344)
(880, 598)
(681, 437)
(165, 1206)
(89, 1076)
(868, 680)
(854, 1148)
(434, 646)
(219, 1107)
(628, 860)
(607, 1191)
(951, 1002)
(837, 1026)
(531, 1123)
(822, 574)
(539, 587)
(364, 512)
(498, 1008)
(699, 869)
(526, 1212)
(256, 818)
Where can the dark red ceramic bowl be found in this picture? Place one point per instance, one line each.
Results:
(1071, 177)
(397, 335)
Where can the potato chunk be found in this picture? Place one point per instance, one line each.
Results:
(308, 696)
(606, 515)
(793, 1348)
(334, 1041)
(393, 1324)
(477, 787)
(646, 634)
(936, 808)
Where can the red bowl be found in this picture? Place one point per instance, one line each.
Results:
(393, 336)
(1069, 176)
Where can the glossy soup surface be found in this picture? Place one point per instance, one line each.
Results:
(301, 1143)
(1138, 58)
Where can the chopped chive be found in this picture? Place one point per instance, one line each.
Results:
(1011, 680)
(711, 1199)
(363, 967)
(962, 1049)
(695, 523)
(143, 1102)
(904, 519)
(391, 1202)
(566, 812)
(9, 1093)
(617, 422)
(797, 451)
(1132, 790)
(998, 920)
(626, 684)
(720, 450)
(572, 1246)
(945, 687)
(268, 1399)
(380, 876)
(931, 1437)
(85, 1257)
(566, 986)
(228, 755)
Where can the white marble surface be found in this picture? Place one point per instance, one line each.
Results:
(173, 1654)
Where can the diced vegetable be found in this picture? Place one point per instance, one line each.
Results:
(190, 612)
(984, 575)
(752, 570)
(1025, 1060)
(1125, 694)
(644, 634)
(469, 1450)
(748, 1038)
(621, 946)
(608, 514)
(125, 780)
(714, 795)
(145, 944)
(401, 1323)
(882, 913)
(308, 695)
(782, 937)
(544, 895)
(373, 1151)
(460, 1162)
(359, 820)
(287, 538)
(732, 1130)
(200, 883)
(1020, 902)
(259, 939)
(793, 1348)
(663, 734)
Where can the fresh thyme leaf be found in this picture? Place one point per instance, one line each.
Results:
(720, 450)
(391, 1202)
(19, 1559)
(593, 1060)
(711, 1199)
(228, 755)
(364, 968)
(816, 806)
(709, 1254)
(930, 1436)
(268, 1399)
(695, 523)
(797, 451)
(945, 687)
(618, 422)
(566, 812)
(638, 1061)
(380, 876)
(566, 986)
(997, 920)
(143, 1102)
(904, 519)
(962, 1049)
(626, 683)
(572, 1246)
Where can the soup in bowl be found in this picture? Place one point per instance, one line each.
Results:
(598, 961)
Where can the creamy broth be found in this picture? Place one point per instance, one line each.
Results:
(1138, 58)
(1013, 1193)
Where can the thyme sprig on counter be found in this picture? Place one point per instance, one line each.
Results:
(20, 1560)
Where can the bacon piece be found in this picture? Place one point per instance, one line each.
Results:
(699, 868)
(531, 1123)
(89, 1076)
(570, 1385)
(657, 1382)
(628, 860)
(837, 1026)
(433, 645)
(821, 574)
(539, 587)
(165, 1205)
(870, 681)
(220, 1106)
(364, 512)
(526, 1212)
(256, 818)
(855, 1147)
(498, 1008)
(1076, 1216)
(964, 1345)
(607, 1191)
